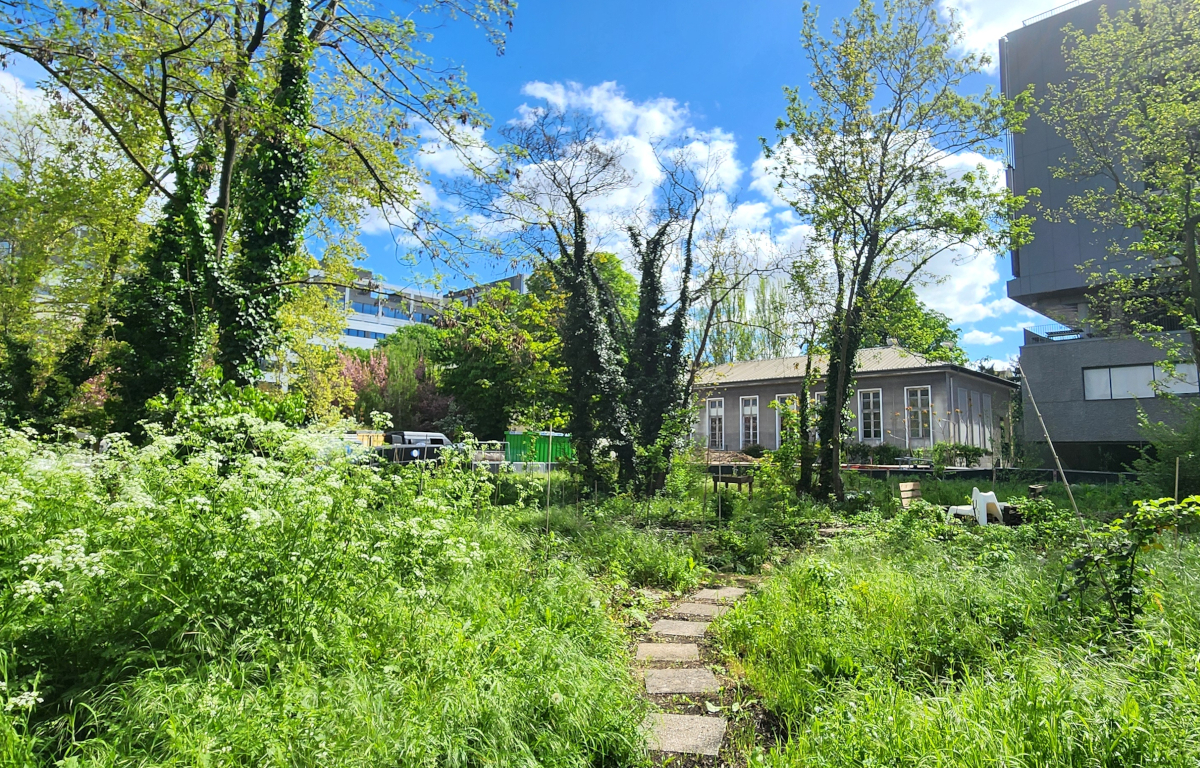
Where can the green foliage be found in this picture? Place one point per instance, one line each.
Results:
(942, 653)
(897, 313)
(754, 451)
(501, 356)
(1167, 445)
(211, 399)
(654, 377)
(273, 196)
(1108, 575)
(69, 221)
(279, 602)
(161, 313)
(949, 454)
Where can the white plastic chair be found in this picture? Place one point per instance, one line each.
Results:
(981, 505)
(986, 504)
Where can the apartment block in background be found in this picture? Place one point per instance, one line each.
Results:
(377, 309)
(1088, 385)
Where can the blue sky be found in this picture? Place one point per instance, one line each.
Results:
(710, 70)
(718, 68)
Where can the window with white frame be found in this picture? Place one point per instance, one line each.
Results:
(749, 421)
(1126, 382)
(870, 414)
(716, 424)
(917, 406)
(783, 401)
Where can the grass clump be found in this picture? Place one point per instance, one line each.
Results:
(259, 598)
(914, 646)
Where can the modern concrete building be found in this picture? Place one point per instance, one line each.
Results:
(902, 398)
(378, 309)
(1088, 386)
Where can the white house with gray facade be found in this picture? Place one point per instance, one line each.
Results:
(901, 398)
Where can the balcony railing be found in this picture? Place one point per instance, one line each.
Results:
(1058, 332)
(1051, 12)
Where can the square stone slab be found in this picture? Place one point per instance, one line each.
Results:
(681, 681)
(724, 593)
(700, 609)
(680, 628)
(689, 734)
(668, 651)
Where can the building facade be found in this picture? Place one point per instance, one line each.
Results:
(378, 309)
(1087, 385)
(901, 398)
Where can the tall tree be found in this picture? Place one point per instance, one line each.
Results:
(68, 220)
(274, 194)
(900, 315)
(194, 96)
(501, 356)
(556, 167)
(864, 158)
(657, 387)
(1130, 110)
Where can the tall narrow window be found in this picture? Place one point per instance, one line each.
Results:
(781, 402)
(916, 401)
(749, 421)
(870, 414)
(716, 424)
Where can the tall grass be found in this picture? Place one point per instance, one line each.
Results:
(896, 651)
(258, 598)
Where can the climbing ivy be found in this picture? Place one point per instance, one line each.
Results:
(655, 382)
(161, 312)
(275, 175)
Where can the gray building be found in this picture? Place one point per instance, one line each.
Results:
(902, 398)
(1088, 386)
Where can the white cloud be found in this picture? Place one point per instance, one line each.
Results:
(649, 120)
(986, 21)
(981, 337)
(1018, 327)
(964, 286)
(438, 155)
(14, 95)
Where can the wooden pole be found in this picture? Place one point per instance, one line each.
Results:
(1112, 601)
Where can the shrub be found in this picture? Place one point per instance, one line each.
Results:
(754, 451)
(925, 658)
(886, 453)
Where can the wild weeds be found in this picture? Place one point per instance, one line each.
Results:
(261, 597)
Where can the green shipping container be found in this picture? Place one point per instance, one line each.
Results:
(535, 446)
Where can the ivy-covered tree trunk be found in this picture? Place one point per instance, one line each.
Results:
(274, 184)
(654, 375)
(161, 311)
(593, 357)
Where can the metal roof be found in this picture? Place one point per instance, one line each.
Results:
(870, 360)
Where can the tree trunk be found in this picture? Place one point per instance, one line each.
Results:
(1189, 258)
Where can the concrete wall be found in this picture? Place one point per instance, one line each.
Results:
(1032, 55)
(1054, 371)
(949, 389)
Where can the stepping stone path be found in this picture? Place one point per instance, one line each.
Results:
(679, 733)
(668, 652)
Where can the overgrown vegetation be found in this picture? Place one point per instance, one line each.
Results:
(271, 600)
(918, 643)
